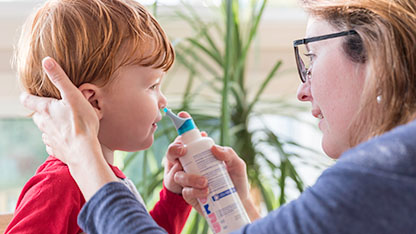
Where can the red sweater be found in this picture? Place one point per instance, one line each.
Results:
(51, 200)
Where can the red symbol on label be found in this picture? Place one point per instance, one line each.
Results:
(215, 224)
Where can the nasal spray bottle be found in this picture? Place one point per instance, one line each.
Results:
(222, 208)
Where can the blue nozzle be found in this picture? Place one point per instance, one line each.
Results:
(182, 125)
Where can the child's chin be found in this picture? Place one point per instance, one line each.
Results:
(143, 146)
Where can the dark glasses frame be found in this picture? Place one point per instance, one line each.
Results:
(303, 71)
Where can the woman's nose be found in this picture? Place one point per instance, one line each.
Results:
(304, 92)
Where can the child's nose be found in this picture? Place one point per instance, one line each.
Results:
(163, 102)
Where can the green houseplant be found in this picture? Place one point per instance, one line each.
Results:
(215, 58)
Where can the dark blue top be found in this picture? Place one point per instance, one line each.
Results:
(371, 189)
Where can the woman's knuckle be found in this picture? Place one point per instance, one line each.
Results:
(228, 149)
(43, 108)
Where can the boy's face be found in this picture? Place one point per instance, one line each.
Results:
(130, 108)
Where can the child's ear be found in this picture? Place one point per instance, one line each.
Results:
(93, 95)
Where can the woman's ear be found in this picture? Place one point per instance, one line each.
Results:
(93, 95)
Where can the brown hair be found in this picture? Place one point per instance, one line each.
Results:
(90, 39)
(386, 42)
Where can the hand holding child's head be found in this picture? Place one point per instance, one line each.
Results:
(63, 122)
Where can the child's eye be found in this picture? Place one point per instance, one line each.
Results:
(153, 87)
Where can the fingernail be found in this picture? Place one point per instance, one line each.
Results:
(48, 63)
(202, 182)
(220, 148)
(181, 150)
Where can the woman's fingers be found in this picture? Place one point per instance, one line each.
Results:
(184, 114)
(47, 143)
(59, 78)
(39, 121)
(191, 194)
(35, 103)
(223, 153)
(49, 151)
(188, 196)
(190, 180)
(175, 150)
(168, 179)
(45, 139)
(229, 156)
(173, 167)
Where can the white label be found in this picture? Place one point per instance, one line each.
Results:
(222, 209)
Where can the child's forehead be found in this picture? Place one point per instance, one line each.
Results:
(142, 52)
(140, 72)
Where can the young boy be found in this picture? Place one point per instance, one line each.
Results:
(116, 53)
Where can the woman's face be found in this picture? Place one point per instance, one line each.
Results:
(334, 87)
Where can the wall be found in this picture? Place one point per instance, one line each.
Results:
(278, 29)
(280, 26)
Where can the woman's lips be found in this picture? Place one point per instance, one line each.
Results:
(317, 114)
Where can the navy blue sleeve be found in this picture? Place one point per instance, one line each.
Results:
(114, 209)
(371, 189)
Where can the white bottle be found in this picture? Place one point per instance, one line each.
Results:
(222, 209)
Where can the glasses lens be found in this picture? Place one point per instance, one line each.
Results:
(303, 60)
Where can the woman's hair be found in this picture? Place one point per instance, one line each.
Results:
(90, 40)
(387, 45)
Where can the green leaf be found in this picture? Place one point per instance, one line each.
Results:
(195, 224)
(268, 200)
(225, 118)
(213, 54)
(264, 85)
(282, 181)
(293, 174)
(198, 59)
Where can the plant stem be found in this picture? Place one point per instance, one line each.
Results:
(155, 9)
(225, 116)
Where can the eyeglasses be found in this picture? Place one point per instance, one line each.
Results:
(302, 55)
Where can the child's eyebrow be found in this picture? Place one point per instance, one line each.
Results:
(160, 77)
(154, 78)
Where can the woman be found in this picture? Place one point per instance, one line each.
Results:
(359, 73)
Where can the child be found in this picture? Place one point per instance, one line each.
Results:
(116, 53)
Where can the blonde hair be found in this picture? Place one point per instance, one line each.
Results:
(386, 43)
(90, 39)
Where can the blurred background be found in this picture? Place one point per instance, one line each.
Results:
(260, 116)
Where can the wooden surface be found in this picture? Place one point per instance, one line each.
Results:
(4, 221)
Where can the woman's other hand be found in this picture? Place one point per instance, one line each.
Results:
(70, 128)
(174, 171)
(195, 187)
(236, 168)
(64, 123)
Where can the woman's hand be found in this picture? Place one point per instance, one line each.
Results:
(236, 168)
(195, 187)
(63, 122)
(70, 128)
(173, 168)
